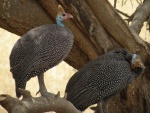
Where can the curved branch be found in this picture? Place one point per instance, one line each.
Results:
(20, 17)
(31, 104)
(141, 14)
(117, 28)
(87, 46)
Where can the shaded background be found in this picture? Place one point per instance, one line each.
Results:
(57, 77)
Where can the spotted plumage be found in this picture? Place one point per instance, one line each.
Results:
(102, 78)
(39, 50)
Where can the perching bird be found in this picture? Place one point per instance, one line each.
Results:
(102, 78)
(39, 50)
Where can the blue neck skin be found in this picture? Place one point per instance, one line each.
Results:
(59, 21)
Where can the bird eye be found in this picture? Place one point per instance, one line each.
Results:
(63, 14)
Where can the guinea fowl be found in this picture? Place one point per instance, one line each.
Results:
(102, 78)
(39, 50)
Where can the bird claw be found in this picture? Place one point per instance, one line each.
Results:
(58, 94)
(38, 92)
(46, 94)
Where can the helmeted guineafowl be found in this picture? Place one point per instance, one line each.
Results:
(103, 77)
(39, 50)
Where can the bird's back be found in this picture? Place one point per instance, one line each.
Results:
(99, 79)
(40, 49)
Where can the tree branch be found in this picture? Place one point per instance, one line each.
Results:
(20, 18)
(31, 104)
(124, 14)
(148, 23)
(97, 28)
(115, 3)
(129, 18)
(86, 44)
(141, 14)
(89, 24)
(117, 28)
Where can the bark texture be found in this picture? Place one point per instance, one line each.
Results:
(97, 29)
(31, 104)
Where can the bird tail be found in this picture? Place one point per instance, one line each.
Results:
(19, 84)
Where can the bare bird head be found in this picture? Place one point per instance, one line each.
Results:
(62, 15)
(136, 62)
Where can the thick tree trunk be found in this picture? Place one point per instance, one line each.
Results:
(97, 28)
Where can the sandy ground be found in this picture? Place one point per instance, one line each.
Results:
(56, 78)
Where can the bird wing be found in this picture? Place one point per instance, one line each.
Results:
(38, 47)
(20, 50)
(92, 67)
(24, 48)
(51, 50)
(112, 79)
(25, 45)
(79, 90)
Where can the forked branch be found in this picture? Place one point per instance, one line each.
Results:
(31, 104)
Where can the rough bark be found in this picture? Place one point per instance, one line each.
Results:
(97, 28)
(141, 14)
(31, 104)
(113, 23)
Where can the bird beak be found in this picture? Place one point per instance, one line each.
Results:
(137, 63)
(68, 16)
(142, 65)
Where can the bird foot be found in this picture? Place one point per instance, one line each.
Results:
(37, 92)
(45, 93)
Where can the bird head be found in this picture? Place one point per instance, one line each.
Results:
(62, 15)
(136, 62)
